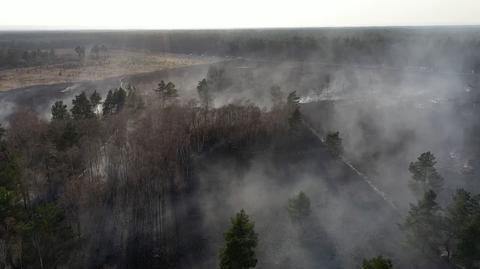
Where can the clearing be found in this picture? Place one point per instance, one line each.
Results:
(115, 62)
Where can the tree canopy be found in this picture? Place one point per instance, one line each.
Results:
(204, 93)
(240, 243)
(333, 141)
(59, 111)
(299, 207)
(166, 92)
(424, 174)
(378, 262)
(423, 225)
(293, 99)
(82, 107)
(463, 228)
(114, 102)
(95, 98)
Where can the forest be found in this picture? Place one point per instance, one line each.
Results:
(317, 149)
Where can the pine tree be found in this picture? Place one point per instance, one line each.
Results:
(299, 207)
(293, 100)
(108, 104)
(59, 111)
(204, 93)
(11, 222)
(424, 175)
(467, 253)
(82, 108)
(378, 262)
(333, 141)
(70, 136)
(240, 243)
(167, 92)
(463, 221)
(51, 237)
(423, 225)
(10, 171)
(115, 101)
(295, 118)
(95, 99)
(119, 99)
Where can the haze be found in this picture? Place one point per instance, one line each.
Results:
(302, 135)
(214, 14)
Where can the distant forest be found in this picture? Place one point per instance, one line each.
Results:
(426, 48)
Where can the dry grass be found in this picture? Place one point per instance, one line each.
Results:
(118, 62)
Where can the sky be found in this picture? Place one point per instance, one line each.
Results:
(225, 14)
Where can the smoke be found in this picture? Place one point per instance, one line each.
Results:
(348, 222)
(387, 113)
(6, 108)
(393, 120)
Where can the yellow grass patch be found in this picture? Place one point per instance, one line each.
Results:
(118, 62)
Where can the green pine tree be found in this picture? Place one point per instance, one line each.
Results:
(119, 99)
(424, 175)
(240, 243)
(423, 226)
(70, 136)
(378, 262)
(50, 237)
(463, 222)
(166, 92)
(82, 107)
(108, 104)
(295, 118)
(59, 111)
(204, 93)
(299, 207)
(293, 100)
(95, 99)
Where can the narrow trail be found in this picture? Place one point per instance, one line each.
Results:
(365, 178)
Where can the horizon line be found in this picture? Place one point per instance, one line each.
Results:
(50, 28)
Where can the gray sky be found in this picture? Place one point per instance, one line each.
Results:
(201, 14)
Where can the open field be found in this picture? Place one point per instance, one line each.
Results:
(116, 63)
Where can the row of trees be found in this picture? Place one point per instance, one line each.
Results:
(34, 229)
(295, 47)
(96, 52)
(37, 231)
(452, 232)
(12, 57)
(84, 107)
(449, 235)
